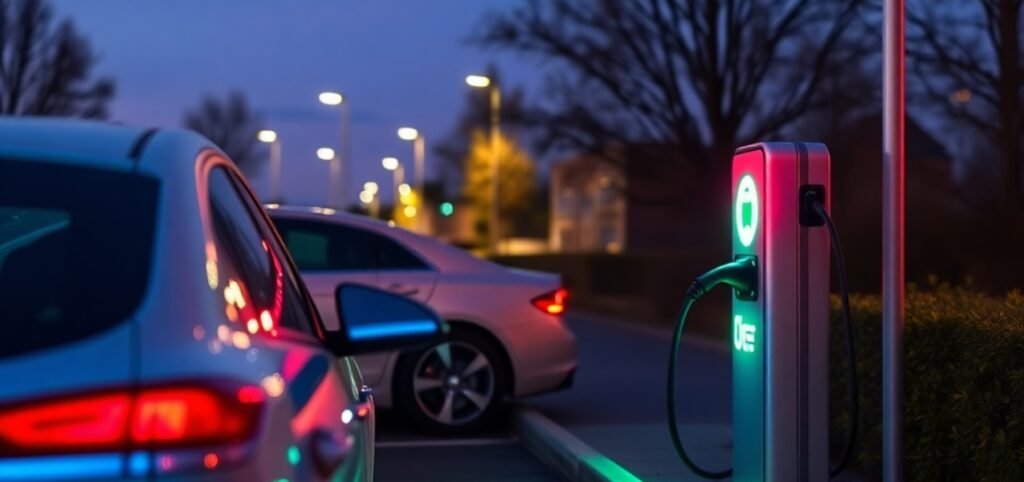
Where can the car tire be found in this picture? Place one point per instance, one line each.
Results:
(455, 386)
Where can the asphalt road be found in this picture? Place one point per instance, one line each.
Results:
(621, 379)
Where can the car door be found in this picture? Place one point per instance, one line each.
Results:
(400, 270)
(322, 390)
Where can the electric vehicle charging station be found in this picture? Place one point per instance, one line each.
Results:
(781, 331)
(779, 276)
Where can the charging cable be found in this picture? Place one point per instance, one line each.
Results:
(741, 275)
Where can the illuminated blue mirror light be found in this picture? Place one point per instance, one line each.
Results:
(369, 315)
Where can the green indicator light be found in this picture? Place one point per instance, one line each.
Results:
(294, 455)
(446, 209)
(743, 335)
(746, 210)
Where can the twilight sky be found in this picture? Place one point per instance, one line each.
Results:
(398, 62)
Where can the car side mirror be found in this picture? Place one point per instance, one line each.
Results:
(375, 320)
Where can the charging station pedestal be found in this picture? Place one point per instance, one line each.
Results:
(781, 335)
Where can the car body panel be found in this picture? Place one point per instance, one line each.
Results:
(179, 332)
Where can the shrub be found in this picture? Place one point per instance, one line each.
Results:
(963, 381)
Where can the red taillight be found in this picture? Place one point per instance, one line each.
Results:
(157, 417)
(552, 303)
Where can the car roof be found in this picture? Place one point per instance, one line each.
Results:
(70, 141)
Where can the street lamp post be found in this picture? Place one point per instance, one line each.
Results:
(893, 234)
(268, 136)
(327, 154)
(484, 82)
(335, 99)
(397, 176)
(419, 163)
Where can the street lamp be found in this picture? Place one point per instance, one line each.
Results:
(327, 154)
(268, 136)
(398, 175)
(484, 82)
(419, 161)
(369, 197)
(335, 99)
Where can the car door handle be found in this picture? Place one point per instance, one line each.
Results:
(329, 451)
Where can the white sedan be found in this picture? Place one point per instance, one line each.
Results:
(507, 338)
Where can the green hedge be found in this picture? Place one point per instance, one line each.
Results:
(964, 385)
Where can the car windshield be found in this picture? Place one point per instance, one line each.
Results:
(75, 247)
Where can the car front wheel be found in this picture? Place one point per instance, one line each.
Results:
(454, 386)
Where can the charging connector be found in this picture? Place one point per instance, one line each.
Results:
(740, 274)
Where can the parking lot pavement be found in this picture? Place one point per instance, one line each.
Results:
(404, 455)
(617, 407)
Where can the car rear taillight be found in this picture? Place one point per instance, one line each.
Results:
(552, 303)
(149, 418)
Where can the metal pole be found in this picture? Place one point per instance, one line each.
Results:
(332, 199)
(495, 170)
(344, 154)
(419, 151)
(893, 160)
(275, 168)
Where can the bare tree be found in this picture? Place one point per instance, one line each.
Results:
(702, 76)
(968, 62)
(232, 125)
(46, 69)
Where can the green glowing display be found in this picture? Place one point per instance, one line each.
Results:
(746, 210)
(743, 335)
(294, 455)
(446, 209)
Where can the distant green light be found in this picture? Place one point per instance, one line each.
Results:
(446, 209)
(294, 455)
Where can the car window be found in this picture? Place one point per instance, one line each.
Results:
(75, 251)
(319, 246)
(393, 256)
(254, 258)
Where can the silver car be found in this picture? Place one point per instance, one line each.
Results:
(507, 338)
(154, 327)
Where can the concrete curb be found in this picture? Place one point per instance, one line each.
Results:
(563, 452)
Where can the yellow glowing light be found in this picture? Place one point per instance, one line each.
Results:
(408, 133)
(223, 333)
(328, 211)
(331, 98)
(370, 187)
(325, 153)
(404, 189)
(366, 197)
(273, 385)
(409, 211)
(231, 312)
(211, 274)
(391, 223)
(240, 340)
(478, 81)
(266, 321)
(267, 135)
(389, 163)
(273, 206)
(252, 325)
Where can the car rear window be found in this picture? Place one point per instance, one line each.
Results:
(75, 249)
